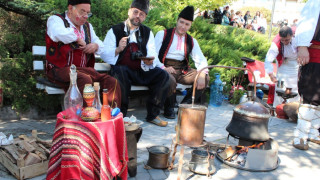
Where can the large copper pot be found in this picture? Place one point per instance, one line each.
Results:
(191, 121)
(250, 122)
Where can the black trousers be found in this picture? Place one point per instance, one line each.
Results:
(309, 83)
(156, 79)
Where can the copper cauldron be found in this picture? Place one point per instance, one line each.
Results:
(191, 121)
(250, 122)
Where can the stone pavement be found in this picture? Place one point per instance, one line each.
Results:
(294, 164)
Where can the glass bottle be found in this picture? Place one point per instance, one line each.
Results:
(216, 92)
(97, 101)
(105, 109)
(73, 100)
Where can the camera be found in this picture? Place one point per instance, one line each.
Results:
(136, 55)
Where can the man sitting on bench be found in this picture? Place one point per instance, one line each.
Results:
(70, 39)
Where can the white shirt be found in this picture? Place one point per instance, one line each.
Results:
(108, 54)
(289, 51)
(57, 31)
(308, 23)
(262, 22)
(177, 52)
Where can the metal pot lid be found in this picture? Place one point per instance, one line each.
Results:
(252, 109)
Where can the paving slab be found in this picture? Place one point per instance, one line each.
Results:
(294, 163)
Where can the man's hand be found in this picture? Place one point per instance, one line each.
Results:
(91, 48)
(82, 43)
(170, 70)
(148, 61)
(201, 82)
(303, 55)
(122, 45)
(273, 78)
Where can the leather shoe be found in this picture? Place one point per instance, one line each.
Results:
(159, 122)
(169, 114)
(301, 145)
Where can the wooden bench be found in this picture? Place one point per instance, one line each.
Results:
(51, 88)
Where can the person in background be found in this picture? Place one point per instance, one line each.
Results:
(283, 49)
(255, 25)
(308, 42)
(257, 16)
(70, 39)
(175, 47)
(225, 19)
(262, 22)
(130, 49)
(247, 17)
(225, 10)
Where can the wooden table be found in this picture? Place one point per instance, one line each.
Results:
(88, 150)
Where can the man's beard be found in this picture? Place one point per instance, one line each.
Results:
(135, 23)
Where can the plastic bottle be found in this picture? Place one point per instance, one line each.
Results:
(73, 100)
(216, 89)
(105, 109)
(97, 101)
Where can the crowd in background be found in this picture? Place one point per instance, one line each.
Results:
(256, 22)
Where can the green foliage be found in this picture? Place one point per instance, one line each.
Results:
(237, 94)
(19, 84)
(225, 45)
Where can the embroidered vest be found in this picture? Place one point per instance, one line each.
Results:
(119, 33)
(167, 41)
(58, 54)
(280, 57)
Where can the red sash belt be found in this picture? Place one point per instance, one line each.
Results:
(314, 52)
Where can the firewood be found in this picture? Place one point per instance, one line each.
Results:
(9, 156)
(45, 149)
(45, 143)
(13, 150)
(31, 158)
(41, 155)
(27, 146)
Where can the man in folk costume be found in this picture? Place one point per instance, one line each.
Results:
(175, 47)
(283, 48)
(308, 42)
(70, 39)
(127, 45)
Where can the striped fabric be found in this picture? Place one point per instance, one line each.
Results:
(83, 150)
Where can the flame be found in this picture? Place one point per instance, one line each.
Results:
(245, 149)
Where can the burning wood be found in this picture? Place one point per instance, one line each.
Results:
(238, 154)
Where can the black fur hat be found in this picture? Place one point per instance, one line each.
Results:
(143, 5)
(187, 13)
(75, 2)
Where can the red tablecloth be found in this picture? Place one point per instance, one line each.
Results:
(88, 150)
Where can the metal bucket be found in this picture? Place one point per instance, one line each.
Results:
(158, 157)
(202, 162)
(191, 121)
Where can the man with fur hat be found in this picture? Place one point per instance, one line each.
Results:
(174, 47)
(308, 42)
(130, 49)
(70, 39)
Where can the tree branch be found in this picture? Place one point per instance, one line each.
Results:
(32, 9)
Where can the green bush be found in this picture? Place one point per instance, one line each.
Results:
(19, 85)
